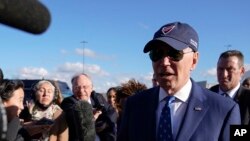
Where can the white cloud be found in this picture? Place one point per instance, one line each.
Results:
(78, 67)
(86, 52)
(102, 80)
(211, 72)
(63, 72)
(209, 75)
(32, 72)
(71, 67)
(95, 70)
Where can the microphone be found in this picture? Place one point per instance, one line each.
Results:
(27, 15)
(85, 116)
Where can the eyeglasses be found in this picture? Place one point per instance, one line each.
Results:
(173, 54)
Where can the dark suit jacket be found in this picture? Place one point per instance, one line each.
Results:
(212, 122)
(242, 97)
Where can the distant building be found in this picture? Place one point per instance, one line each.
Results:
(204, 84)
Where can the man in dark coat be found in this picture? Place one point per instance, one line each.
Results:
(104, 115)
(230, 68)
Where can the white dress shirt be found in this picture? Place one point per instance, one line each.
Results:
(177, 107)
(232, 92)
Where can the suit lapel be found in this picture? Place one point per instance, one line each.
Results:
(242, 99)
(153, 100)
(147, 105)
(238, 94)
(196, 109)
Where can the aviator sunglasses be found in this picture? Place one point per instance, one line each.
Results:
(173, 54)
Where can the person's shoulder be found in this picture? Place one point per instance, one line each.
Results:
(243, 93)
(68, 102)
(212, 98)
(13, 128)
(214, 88)
(96, 95)
(244, 90)
(70, 99)
(216, 100)
(150, 93)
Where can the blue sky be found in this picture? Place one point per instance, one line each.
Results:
(115, 33)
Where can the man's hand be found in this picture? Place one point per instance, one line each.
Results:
(96, 113)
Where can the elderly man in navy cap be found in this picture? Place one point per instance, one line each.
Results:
(178, 109)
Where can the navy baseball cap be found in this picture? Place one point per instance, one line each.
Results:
(178, 35)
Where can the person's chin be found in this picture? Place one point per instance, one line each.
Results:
(45, 101)
(45, 104)
(167, 78)
(225, 85)
(83, 98)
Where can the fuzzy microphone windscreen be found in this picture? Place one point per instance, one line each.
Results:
(87, 124)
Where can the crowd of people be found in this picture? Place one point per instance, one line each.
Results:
(175, 107)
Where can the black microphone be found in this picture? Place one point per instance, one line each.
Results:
(27, 15)
(86, 122)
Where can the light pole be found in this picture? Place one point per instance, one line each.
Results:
(83, 42)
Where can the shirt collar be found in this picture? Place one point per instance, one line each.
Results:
(232, 92)
(182, 94)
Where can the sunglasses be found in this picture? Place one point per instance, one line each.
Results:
(173, 54)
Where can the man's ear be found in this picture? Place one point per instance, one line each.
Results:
(195, 60)
(242, 70)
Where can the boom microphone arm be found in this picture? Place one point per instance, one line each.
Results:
(27, 15)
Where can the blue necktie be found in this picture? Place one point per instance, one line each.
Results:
(165, 128)
(225, 95)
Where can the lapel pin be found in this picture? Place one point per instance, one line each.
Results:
(197, 108)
